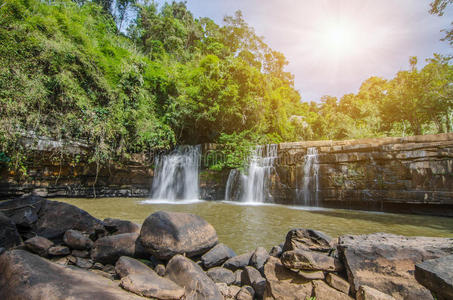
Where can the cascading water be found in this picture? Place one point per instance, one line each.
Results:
(310, 182)
(253, 186)
(176, 175)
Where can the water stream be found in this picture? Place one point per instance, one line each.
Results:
(310, 181)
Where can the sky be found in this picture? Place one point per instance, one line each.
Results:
(334, 45)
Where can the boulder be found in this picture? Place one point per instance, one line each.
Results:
(58, 251)
(77, 240)
(368, 293)
(38, 245)
(437, 276)
(311, 275)
(321, 291)
(252, 277)
(108, 249)
(117, 226)
(307, 239)
(258, 259)
(238, 277)
(83, 263)
(309, 260)
(127, 265)
(217, 256)
(283, 284)
(238, 262)
(276, 251)
(55, 218)
(9, 236)
(386, 262)
(151, 285)
(338, 283)
(165, 234)
(246, 293)
(228, 292)
(184, 272)
(27, 276)
(22, 211)
(160, 270)
(80, 253)
(221, 275)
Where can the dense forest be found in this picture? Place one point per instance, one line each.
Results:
(129, 77)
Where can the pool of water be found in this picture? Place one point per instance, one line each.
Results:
(244, 227)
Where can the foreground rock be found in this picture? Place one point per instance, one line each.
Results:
(138, 278)
(238, 262)
(117, 226)
(28, 276)
(217, 256)
(165, 234)
(386, 262)
(189, 275)
(307, 239)
(38, 245)
(9, 236)
(221, 275)
(367, 293)
(259, 258)
(252, 277)
(321, 291)
(107, 250)
(437, 276)
(309, 260)
(76, 240)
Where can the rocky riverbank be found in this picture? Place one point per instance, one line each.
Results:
(53, 250)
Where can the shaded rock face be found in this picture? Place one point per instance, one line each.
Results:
(309, 260)
(165, 234)
(307, 239)
(127, 265)
(22, 211)
(9, 236)
(221, 275)
(284, 284)
(107, 250)
(437, 276)
(55, 218)
(259, 258)
(217, 256)
(252, 277)
(28, 276)
(386, 262)
(189, 275)
(116, 226)
(238, 262)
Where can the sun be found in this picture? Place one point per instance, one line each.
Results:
(338, 39)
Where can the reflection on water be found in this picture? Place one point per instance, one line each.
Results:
(244, 227)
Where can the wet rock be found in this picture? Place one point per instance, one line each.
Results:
(117, 226)
(368, 293)
(22, 211)
(128, 265)
(338, 283)
(238, 277)
(246, 293)
(188, 274)
(160, 270)
(58, 251)
(9, 236)
(311, 275)
(282, 283)
(83, 263)
(217, 256)
(437, 276)
(276, 251)
(149, 284)
(221, 275)
(386, 262)
(77, 240)
(165, 234)
(307, 239)
(252, 277)
(228, 292)
(238, 262)
(108, 249)
(38, 245)
(80, 253)
(309, 260)
(324, 292)
(27, 276)
(258, 259)
(55, 218)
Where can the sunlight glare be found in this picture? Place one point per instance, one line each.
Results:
(339, 39)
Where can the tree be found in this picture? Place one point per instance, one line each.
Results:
(438, 8)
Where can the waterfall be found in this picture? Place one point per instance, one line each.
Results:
(310, 180)
(253, 185)
(176, 174)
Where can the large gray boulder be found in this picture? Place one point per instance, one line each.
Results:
(184, 272)
(307, 239)
(386, 262)
(437, 276)
(24, 275)
(108, 249)
(165, 234)
(9, 236)
(217, 256)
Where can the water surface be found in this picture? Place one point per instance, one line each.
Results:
(244, 227)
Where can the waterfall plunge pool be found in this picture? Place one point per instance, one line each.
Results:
(244, 227)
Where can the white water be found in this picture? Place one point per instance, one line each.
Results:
(310, 180)
(253, 186)
(176, 175)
